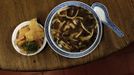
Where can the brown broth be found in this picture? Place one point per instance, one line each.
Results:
(74, 29)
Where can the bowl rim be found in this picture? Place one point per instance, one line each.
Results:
(14, 35)
(63, 52)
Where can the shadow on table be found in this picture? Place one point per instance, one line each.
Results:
(120, 63)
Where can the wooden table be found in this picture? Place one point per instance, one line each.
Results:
(13, 12)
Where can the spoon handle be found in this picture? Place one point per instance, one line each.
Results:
(107, 21)
(114, 27)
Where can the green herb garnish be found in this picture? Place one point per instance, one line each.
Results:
(30, 46)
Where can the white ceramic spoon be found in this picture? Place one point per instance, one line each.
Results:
(103, 15)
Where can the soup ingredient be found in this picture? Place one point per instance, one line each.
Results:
(30, 38)
(74, 28)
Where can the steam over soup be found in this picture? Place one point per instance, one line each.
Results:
(74, 29)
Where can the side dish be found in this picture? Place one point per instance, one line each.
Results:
(30, 38)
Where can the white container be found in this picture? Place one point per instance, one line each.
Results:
(63, 52)
(14, 36)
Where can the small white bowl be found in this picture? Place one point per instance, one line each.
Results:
(14, 36)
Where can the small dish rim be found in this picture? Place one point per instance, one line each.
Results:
(14, 35)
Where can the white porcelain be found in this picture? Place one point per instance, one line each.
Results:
(102, 13)
(61, 51)
(14, 35)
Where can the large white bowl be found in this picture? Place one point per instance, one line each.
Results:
(61, 51)
(14, 35)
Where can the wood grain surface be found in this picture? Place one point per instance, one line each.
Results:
(13, 12)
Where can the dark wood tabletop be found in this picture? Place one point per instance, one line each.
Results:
(13, 12)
